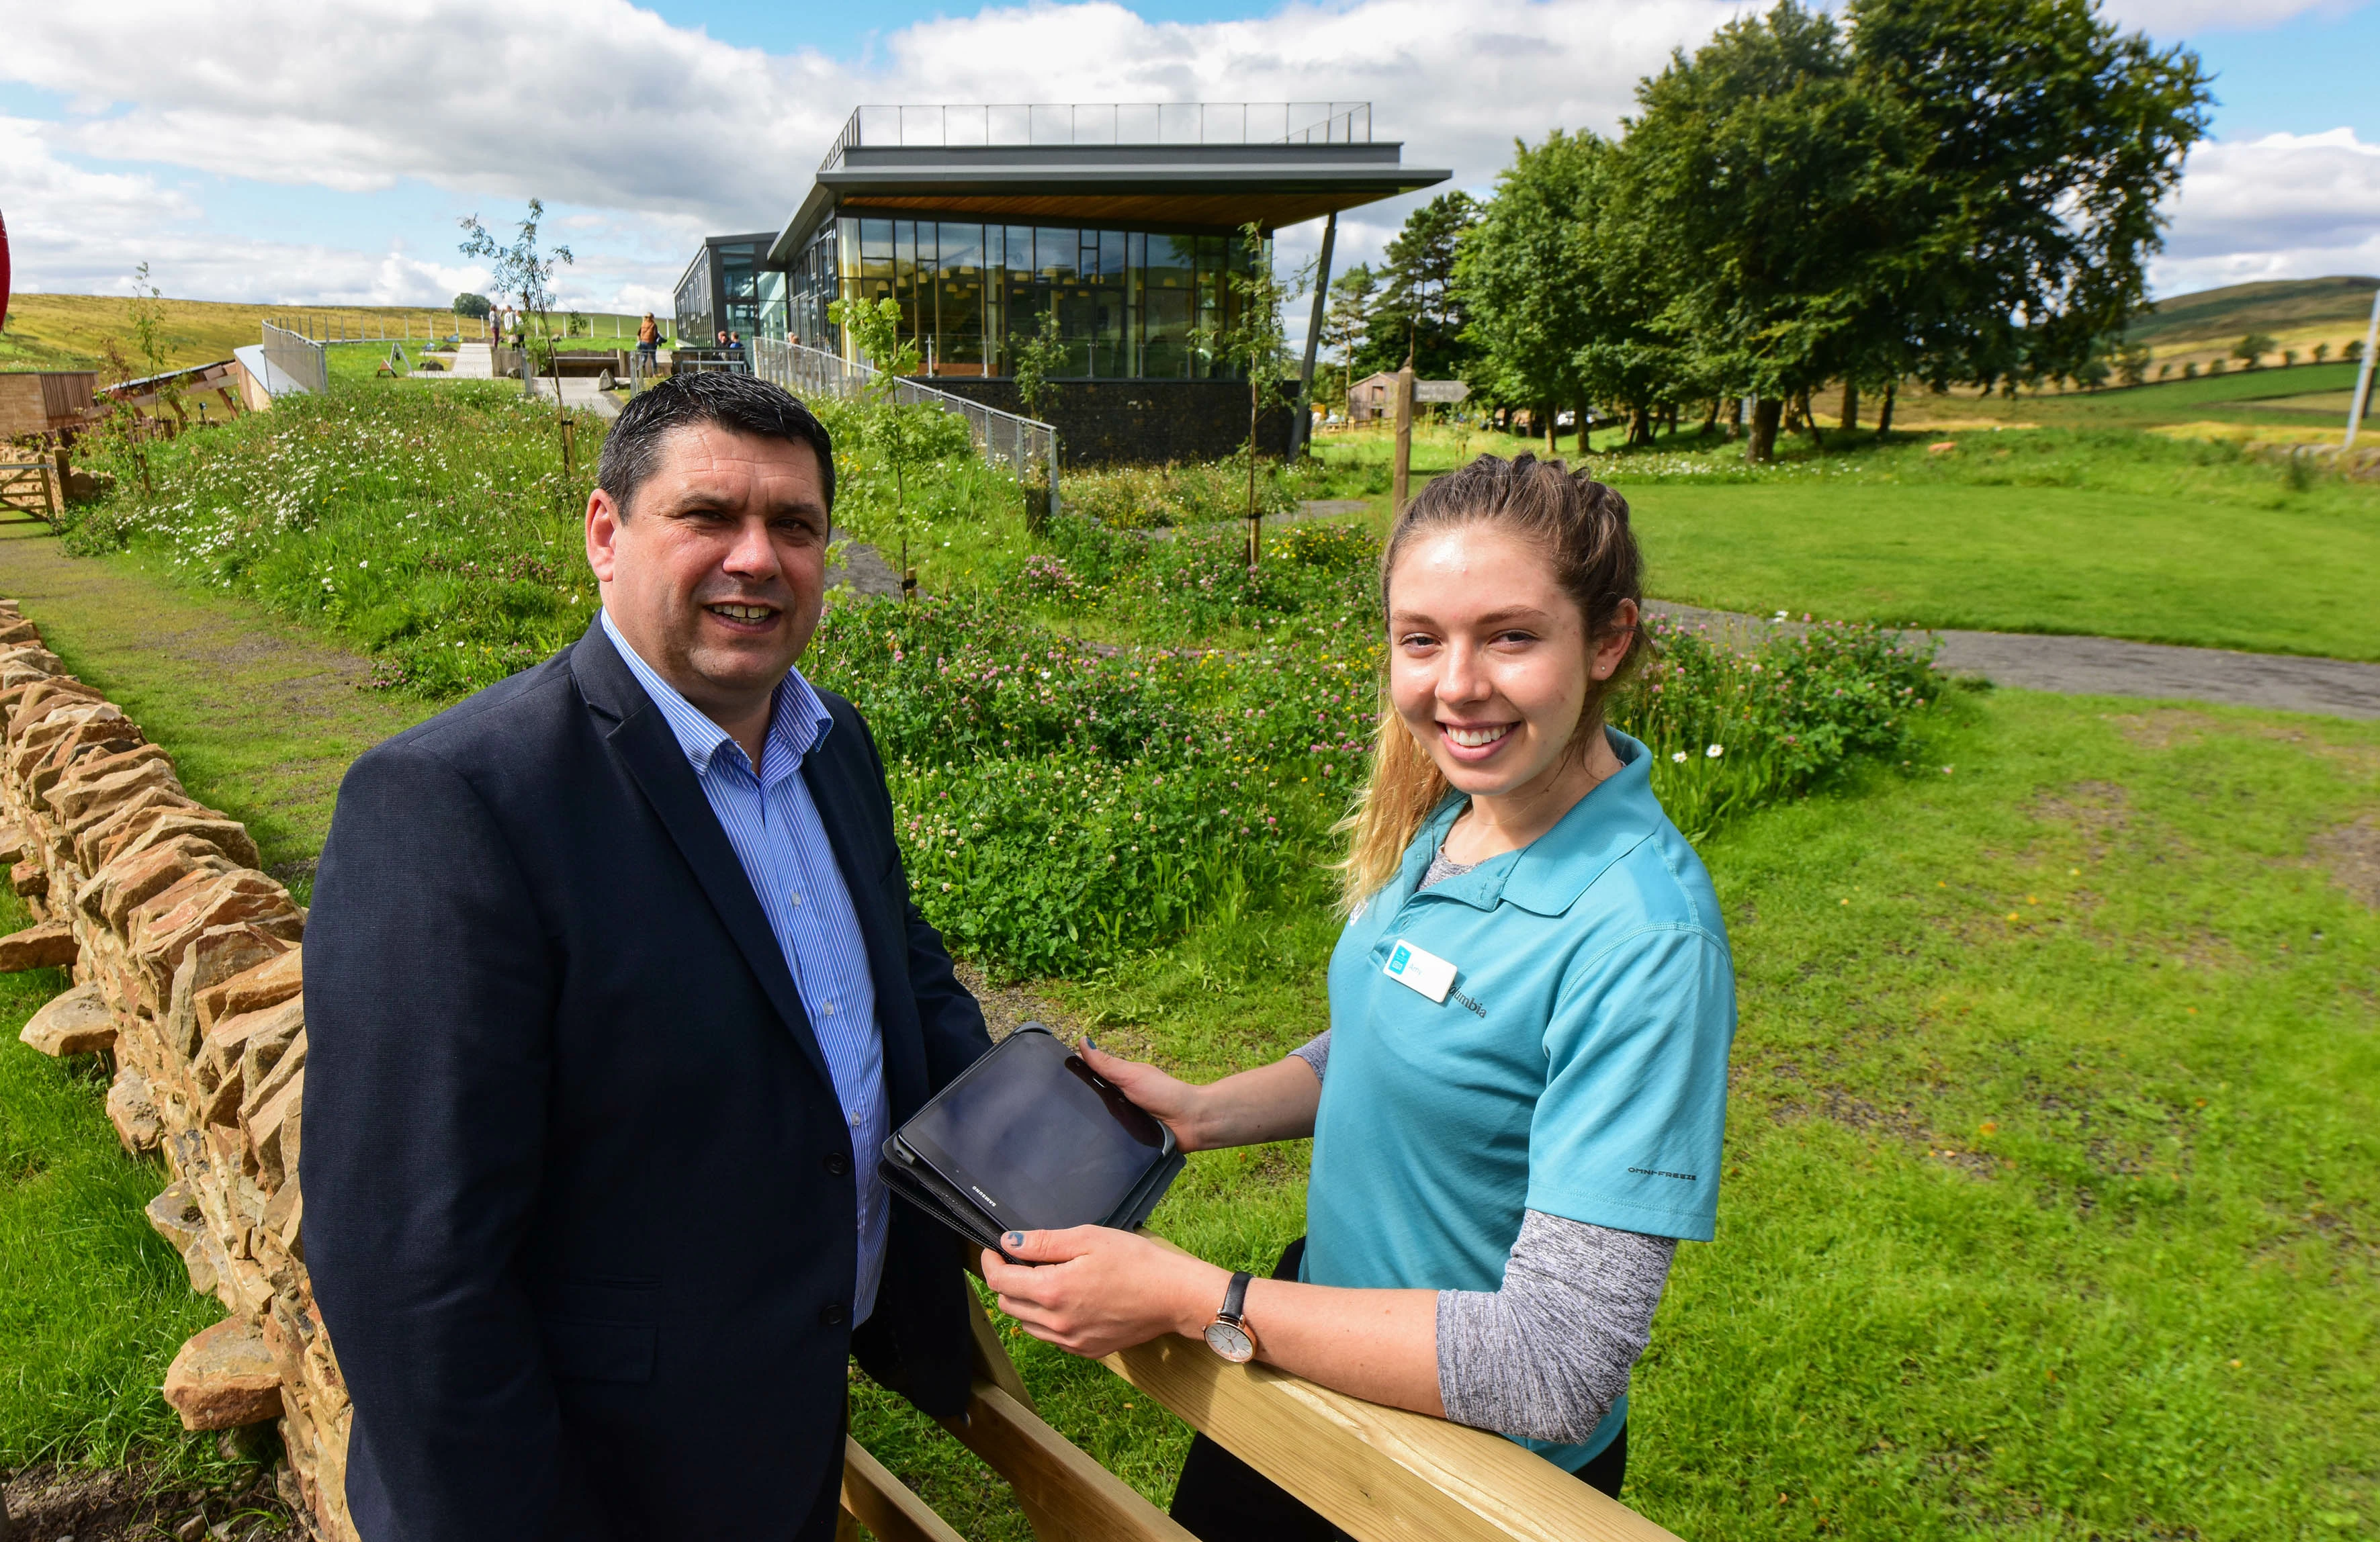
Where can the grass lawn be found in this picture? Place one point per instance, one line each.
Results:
(2052, 1164)
(92, 1303)
(2013, 558)
(2098, 527)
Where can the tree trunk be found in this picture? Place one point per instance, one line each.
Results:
(1851, 405)
(1809, 421)
(1640, 425)
(1710, 418)
(1883, 418)
(1761, 447)
(1553, 444)
(1255, 530)
(1734, 417)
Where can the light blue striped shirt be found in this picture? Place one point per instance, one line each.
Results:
(777, 835)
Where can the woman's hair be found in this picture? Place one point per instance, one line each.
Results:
(1582, 527)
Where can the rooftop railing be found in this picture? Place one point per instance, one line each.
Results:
(1103, 123)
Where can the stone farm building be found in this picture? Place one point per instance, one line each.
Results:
(1122, 220)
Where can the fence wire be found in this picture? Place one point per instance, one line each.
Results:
(1003, 439)
(301, 360)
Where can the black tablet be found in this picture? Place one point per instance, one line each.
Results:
(1031, 1139)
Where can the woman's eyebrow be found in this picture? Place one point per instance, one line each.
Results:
(1493, 618)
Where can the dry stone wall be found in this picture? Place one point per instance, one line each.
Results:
(186, 962)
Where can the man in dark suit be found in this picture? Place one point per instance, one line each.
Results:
(612, 991)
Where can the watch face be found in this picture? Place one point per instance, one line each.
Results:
(1232, 1342)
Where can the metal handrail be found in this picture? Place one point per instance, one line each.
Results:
(1000, 438)
(303, 360)
(1137, 123)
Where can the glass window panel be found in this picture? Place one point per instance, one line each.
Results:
(1058, 253)
(959, 298)
(1165, 307)
(1111, 255)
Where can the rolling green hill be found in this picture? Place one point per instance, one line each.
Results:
(2286, 308)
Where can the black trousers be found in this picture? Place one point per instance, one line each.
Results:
(1221, 1499)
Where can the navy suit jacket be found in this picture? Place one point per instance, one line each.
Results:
(579, 1211)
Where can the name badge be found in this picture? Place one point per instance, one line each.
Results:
(1425, 972)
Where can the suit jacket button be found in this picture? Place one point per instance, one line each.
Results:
(833, 1314)
(837, 1163)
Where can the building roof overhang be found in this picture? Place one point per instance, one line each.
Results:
(1203, 186)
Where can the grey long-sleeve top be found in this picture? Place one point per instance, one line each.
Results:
(1548, 1353)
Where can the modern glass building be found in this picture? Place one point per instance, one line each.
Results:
(729, 286)
(1123, 221)
(1129, 303)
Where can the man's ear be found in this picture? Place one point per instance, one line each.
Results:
(603, 522)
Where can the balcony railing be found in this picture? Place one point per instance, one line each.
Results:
(1139, 123)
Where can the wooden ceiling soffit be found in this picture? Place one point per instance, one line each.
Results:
(1270, 210)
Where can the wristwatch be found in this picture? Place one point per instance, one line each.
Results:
(1229, 1335)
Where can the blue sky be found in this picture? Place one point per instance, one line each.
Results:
(286, 151)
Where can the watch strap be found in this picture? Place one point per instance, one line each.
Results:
(1235, 1298)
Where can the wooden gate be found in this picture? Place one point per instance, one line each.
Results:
(30, 488)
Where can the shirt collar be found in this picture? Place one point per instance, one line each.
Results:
(1549, 873)
(798, 720)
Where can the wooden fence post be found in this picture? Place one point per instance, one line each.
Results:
(1404, 475)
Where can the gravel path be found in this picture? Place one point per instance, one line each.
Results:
(2106, 666)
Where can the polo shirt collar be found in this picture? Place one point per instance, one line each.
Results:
(1546, 876)
(798, 720)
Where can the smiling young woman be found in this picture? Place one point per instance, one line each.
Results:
(1518, 1107)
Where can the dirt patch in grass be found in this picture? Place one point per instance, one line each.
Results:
(2351, 852)
(2097, 811)
(120, 1504)
(2174, 728)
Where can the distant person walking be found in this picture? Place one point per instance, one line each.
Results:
(648, 340)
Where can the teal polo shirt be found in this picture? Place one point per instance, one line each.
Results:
(1577, 1064)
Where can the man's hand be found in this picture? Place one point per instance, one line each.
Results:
(1099, 1290)
(1179, 1106)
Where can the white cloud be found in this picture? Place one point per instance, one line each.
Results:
(2284, 206)
(73, 230)
(598, 105)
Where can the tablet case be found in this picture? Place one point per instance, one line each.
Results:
(914, 1179)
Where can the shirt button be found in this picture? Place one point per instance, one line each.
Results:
(830, 1009)
(857, 1115)
(833, 1314)
(796, 900)
(837, 1163)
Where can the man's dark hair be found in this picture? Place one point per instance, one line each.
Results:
(736, 402)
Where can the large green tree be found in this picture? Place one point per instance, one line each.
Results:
(1523, 272)
(1421, 308)
(2041, 142)
(1765, 187)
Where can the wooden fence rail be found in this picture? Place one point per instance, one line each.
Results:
(1380, 1475)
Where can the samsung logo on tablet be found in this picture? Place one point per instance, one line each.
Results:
(985, 1197)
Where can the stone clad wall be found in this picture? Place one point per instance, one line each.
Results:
(186, 962)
